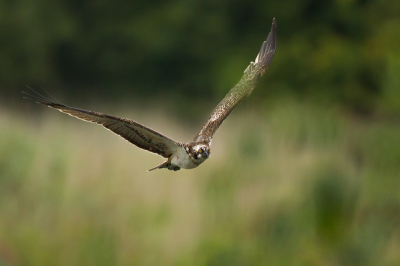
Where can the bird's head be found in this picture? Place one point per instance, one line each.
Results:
(198, 151)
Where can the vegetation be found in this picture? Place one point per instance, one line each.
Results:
(305, 185)
(305, 172)
(342, 52)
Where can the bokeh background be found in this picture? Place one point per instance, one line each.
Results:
(305, 172)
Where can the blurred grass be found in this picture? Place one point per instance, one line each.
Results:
(297, 184)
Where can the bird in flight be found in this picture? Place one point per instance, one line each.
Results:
(179, 155)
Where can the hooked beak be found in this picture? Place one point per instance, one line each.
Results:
(206, 154)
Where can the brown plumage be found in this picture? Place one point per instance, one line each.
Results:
(191, 154)
(243, 89)
(135, 133)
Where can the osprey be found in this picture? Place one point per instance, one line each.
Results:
(179, 155)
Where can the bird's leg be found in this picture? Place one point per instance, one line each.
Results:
(173, 167)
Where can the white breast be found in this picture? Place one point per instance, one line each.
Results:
(181, 159)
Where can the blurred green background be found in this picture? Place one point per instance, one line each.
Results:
(304, 172)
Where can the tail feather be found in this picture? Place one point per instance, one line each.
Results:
(160, 166)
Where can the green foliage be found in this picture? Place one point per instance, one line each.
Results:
(330, 51)
(320, 188)
(305, 183)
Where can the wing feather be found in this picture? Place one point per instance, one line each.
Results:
(135, 133)
(243, 89)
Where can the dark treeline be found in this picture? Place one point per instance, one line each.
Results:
(342, 51)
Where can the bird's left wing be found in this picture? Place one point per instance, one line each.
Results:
(135, 133)
(243, 89)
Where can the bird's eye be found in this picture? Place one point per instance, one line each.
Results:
(201, 150)
(209, 151)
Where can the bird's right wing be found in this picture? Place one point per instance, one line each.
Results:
(243, 89)
(135, 133)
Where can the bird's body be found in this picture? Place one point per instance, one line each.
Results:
(179, 155)
(181, 159)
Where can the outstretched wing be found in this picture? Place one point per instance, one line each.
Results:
(135, 133)
(243, 89)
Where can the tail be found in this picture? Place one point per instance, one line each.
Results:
(160, 166)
